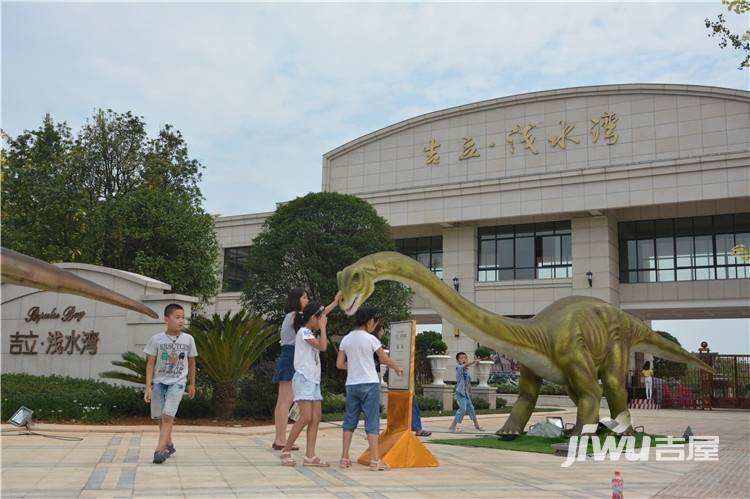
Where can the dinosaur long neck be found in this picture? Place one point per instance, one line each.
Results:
(512, 336)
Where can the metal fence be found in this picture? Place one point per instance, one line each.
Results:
(681, 386)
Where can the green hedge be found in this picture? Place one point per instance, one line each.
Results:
(546, 389)
(60, 398)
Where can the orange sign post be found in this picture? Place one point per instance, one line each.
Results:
(399, 446)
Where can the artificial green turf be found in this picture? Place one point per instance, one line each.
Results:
(339, 416)
(524, 443)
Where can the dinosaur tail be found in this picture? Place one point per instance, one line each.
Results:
(649, 341)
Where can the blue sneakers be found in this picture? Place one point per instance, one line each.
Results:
(171, 449)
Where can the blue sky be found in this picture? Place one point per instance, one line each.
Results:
(261, 91)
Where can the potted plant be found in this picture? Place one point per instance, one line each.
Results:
(485, 364)
(438, 361)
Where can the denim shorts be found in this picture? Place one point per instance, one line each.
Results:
(305, 389)
(364, 397)
(284, 365)
(165, 399)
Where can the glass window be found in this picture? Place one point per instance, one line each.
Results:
(234, 272)
(646, 255)
(505, 253)
(683, 249)
(528, 251)
(525, 252)
(426, 250)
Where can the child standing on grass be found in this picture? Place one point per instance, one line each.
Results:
(306, 381)
(171, 362)
(363, 384)
(463, 393)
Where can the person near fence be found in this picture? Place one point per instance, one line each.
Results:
(648, 379)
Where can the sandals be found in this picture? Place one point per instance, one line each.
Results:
(315, 462)
(479, 428)
(345, 463)
(276, 446)
(379, 466)
(287, 459)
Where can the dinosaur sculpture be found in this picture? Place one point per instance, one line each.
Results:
(575, 341)
(24, 270)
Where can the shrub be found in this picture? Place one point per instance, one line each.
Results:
(506, 388)
(501, 402)
(553, 389)
(258, 393)
(478, 404)
(483, 352)
(334, 402)
(426, 404)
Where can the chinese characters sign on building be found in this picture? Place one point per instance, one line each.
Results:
(523, 135)
(29, 343)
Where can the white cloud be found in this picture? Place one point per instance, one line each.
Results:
(261, 91)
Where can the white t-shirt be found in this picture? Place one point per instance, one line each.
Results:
(171, 354)
(359, 346)
(306, 356)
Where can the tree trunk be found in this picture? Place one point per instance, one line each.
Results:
(224, 399)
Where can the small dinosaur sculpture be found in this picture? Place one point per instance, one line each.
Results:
(575, 341)
(24, 270)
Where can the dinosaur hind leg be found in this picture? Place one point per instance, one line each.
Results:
(614, 383)
(584, 384)
(528, 391)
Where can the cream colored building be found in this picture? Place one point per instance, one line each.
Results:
(630, 193)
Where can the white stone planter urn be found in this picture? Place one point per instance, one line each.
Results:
(483, 372)
(437, 364)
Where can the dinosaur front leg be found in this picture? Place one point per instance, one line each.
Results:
(584, 384)
(528, 391)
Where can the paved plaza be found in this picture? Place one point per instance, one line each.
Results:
(115, 461)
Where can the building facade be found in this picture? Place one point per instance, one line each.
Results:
(634, 194)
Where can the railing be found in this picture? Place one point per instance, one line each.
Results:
(684, 386)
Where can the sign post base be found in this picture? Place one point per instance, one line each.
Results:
(399, 447)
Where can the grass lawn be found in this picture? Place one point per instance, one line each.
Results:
(525, 443)
(339, 416)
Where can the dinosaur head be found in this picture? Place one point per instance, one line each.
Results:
(356, 283)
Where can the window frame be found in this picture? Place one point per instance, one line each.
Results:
(537, 232)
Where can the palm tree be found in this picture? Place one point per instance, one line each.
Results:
(227, 347)
(132, 362)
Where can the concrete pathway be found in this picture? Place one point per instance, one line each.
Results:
(114, 462)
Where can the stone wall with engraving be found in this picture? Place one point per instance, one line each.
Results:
(53, 333)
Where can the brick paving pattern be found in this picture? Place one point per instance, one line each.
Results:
(115, 462)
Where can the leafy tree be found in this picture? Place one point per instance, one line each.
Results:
(110, 196)
(228, 346)
(668, 368)
(42, 208)
(158, 233)
(739, 41)
(305, 243)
